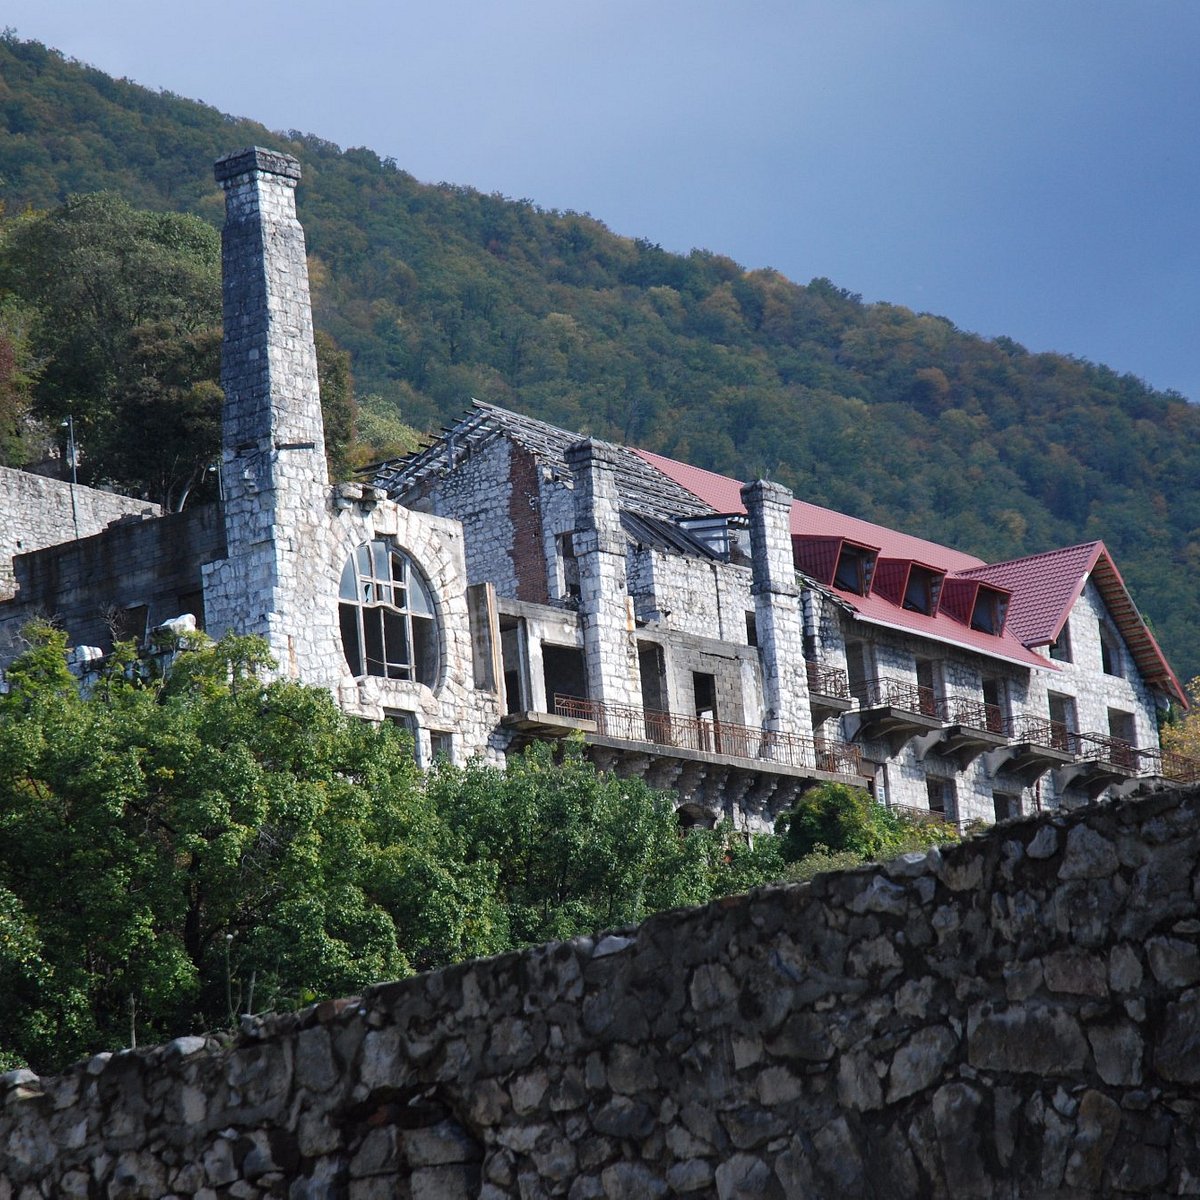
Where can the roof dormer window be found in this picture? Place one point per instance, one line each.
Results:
(855, 566)
(922, 590)
(989, 611)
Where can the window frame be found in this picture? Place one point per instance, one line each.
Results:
(387, 616)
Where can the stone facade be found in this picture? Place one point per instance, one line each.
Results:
(1012, 1018)
(514, 581)
(38, 512)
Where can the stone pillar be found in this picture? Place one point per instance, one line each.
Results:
(605, 608)
(275, 487)
(777, 609)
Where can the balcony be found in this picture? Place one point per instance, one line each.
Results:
(1170, 767)
(828, 691)
(1099, 762)
(894, 711)
(973, 727)
(623, 723)
(1036, 745)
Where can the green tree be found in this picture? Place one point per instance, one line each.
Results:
(836, 818)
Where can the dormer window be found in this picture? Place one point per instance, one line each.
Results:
(855, 566)
(921, 591)
(989, 611)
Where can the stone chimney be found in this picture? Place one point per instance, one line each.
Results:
(274, 482)
(605, 609)
(777, 608)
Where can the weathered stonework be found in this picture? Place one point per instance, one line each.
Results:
(38, 512)
(1015, 1017)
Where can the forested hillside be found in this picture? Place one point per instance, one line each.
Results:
(441, 293)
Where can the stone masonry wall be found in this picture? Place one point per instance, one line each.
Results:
(37, 512)
(1016, 1017)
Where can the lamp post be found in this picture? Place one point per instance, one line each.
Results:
(72, 453)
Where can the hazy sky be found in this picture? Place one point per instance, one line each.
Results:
(1023, 167)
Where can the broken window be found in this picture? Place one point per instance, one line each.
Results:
(387, 616)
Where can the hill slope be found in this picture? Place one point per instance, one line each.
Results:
(441, 293)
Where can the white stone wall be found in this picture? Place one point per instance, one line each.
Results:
(36, 512)
(477, 493)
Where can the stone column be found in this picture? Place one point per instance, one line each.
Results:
(777, 609)
(605, 609)
(275, 487)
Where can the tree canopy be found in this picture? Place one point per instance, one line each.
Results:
(181, 850)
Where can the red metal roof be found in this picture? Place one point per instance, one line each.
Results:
(1045, 588)
(811, 520)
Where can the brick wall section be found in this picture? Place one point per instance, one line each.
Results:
(39, 512)
(524, 503)
(1016, 1017)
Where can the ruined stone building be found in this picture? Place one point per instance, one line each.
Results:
(513, 581)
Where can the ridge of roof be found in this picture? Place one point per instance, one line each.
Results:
(641, 488)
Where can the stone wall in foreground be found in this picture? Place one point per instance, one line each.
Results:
(1017, 1017)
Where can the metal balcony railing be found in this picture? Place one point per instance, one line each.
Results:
(1041, 731)
(827, 681)
(1166, 764)
(1102, 748)
(923, 816)
(627, 723)
(898, 693)
(976, 714)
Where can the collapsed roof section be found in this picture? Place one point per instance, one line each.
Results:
(642, 489)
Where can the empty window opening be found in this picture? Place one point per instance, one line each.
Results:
(704, 692)
(995, 705)
(563, 671)
(512, 651)
(568, 566)
(940, 793)
(654, 677)
(407, 722)
(1062, 712)
(927, 687)
(751, 629)
(855, 567)
(1060, 650)
(129, 624)
(1110, 651)
(387, 616)
(1006, 806)
(857, 671)
(1122, 725)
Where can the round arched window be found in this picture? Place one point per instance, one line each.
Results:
(388, 624)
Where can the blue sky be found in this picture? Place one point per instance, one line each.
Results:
(1022, 167)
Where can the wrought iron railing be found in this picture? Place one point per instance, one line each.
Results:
(1100, 747)
(1166, 764)
(827, 681)
(627, 723)
(898, 693)
(1041, 731)
(976, 714)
